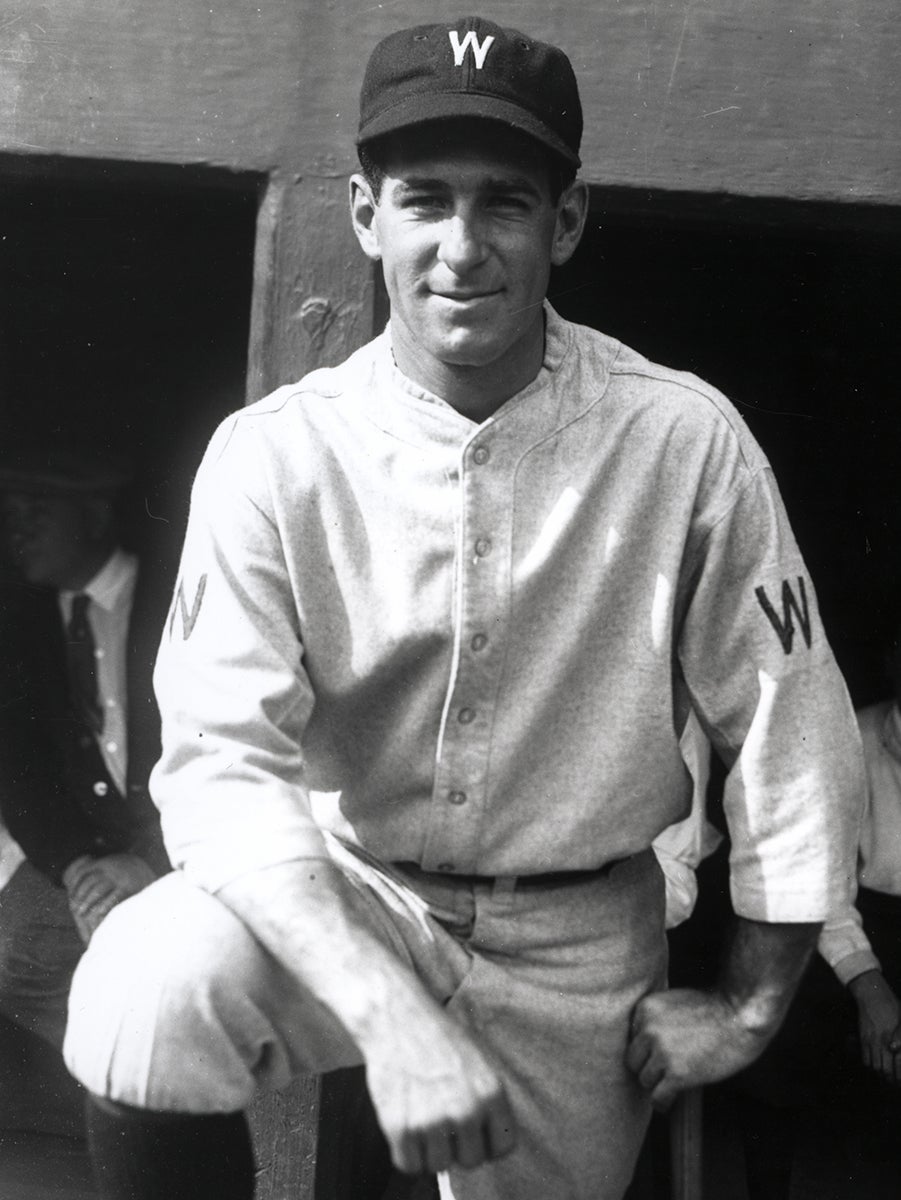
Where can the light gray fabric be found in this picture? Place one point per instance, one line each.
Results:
(484, 640)
(197, 1016)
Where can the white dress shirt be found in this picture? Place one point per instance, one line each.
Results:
(843, 942)
(111, 592)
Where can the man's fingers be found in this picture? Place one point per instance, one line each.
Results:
(638, 1050)
(664, 1095)
(469, 1144)
(865, 1053)
(439, 1147)
(651, 1075)
(500, 1130)
(463, 1143)
(408, 1152)
(646, 1065)
(89, 889)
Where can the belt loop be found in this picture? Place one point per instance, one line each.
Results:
(504, 887)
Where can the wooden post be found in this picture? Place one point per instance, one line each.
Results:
(686, 1145)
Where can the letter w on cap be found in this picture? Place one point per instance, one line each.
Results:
(478, 51)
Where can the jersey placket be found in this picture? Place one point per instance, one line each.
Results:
(461, 787)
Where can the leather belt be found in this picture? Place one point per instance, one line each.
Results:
(546, 879)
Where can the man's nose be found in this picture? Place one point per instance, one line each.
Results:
(462, 244)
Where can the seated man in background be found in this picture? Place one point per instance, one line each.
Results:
(79, 728)
(863, 944)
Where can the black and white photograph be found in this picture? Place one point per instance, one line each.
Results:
(450, 600)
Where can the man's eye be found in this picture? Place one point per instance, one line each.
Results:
(423, 202)
(509, 203)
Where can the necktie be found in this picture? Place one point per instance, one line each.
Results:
(82, 667)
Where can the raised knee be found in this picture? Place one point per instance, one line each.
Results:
(159, 1002)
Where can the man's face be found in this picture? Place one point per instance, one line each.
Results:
(52, 538)
(466, 231)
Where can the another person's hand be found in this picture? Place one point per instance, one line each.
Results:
(439, 1102)
(96, 885)
(684, 1038)
(879, 1024)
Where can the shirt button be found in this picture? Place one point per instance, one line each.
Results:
(479, 642)
(457, 797)
(112, 747)
(99, 652)
(466, 716)
(480, 455)
(100, 788)
(483, 547)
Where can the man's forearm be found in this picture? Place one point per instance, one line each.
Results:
(303, 913)
(437, 1099)
(685, 1038)
(762, 968)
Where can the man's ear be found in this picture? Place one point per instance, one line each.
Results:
(363, 209)
(572, 213)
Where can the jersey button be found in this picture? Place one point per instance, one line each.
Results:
(100, 788)
(483, 547)
(466, 716)
(479, 642)
(457, 797)
(480, 455)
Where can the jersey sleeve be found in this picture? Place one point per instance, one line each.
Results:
(845, 946)
(765, 684)
(233, 694)
(842, 942)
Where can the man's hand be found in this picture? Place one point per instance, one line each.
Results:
(439, 1103)
(684, 1038)
(96, 885)
(879, 1024)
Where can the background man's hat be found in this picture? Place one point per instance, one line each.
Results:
(63, 470)
(472, 68)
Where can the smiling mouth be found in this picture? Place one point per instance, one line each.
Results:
(465, 297)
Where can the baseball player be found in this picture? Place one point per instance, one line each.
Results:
(442, 615)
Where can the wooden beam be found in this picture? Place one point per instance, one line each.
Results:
(313, 292)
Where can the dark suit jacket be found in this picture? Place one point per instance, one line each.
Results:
(57, 797)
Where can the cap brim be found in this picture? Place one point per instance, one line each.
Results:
(438, 106)
(43, 480)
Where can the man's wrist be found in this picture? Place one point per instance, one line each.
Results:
(867, 984)
(756, 1015)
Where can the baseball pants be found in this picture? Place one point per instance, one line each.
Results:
(176, 1007)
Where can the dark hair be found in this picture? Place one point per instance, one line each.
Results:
(373, 155)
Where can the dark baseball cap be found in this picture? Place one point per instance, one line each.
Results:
(63, 471)
(472, 68)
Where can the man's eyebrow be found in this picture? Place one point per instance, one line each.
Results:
(518, 184)
(505, 184)
(415, 183)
